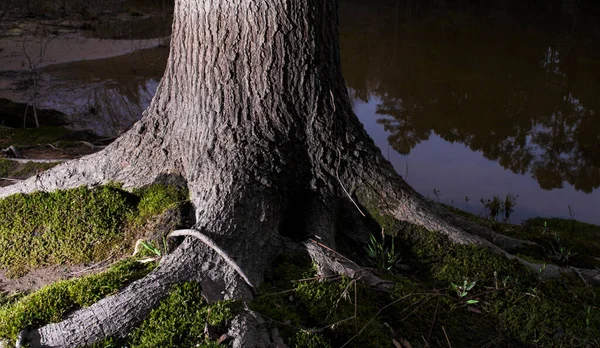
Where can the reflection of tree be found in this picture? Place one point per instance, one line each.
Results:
(521, 97)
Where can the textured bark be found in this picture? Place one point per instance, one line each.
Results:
(253, 114)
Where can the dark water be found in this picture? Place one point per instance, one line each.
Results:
(467, 101)
(480, 103)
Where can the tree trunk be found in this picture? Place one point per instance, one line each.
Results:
(253, 114)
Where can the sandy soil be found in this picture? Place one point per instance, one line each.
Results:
(36, 279)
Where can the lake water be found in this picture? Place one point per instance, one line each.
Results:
(477, 105)
(467, 103)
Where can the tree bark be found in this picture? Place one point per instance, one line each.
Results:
(253, 114)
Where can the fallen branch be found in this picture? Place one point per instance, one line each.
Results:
(92, 146)
(34, 160)
(11, 179)
(211, 244)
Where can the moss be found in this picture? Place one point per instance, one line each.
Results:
(12, 115)
(71, 226)
(6, 167)
(31, 136)
(313, 313)
(12, 169)
(155, 199)
(304, 339)
(76, 226)
(179, 321)
(558, 312)
(53, 302)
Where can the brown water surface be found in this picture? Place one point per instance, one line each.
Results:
(477, 105)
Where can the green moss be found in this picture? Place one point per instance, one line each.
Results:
(558, 312)
(304, 339)
(180, 319)
(51, 303)
(76, 226)
(6, 167)
(31, 136)
(71, 226)
(157, 198)
(12, 169)
(12, 115)
(313, 313)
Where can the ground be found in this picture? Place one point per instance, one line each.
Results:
(505, 304)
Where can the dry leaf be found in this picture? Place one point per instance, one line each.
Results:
(222, 338)
(473, 309)
(405, 343)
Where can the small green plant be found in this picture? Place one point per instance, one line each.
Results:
(496, 207)
(437, 194)
(380, 255)
(462, 291)
(155, 253)
(509, 205)
(558, 250)
(492, 206)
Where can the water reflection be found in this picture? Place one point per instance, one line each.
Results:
(524, 97)
(110, 93)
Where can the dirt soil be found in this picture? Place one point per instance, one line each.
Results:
(36, 279)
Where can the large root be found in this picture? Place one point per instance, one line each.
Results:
(133, 160)
(116, 315)
(392, 196)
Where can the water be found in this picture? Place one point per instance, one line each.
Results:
(470, 103)
(480, 105)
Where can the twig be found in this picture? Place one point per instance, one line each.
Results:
(33, 160)
(14, 151)
(210, 243)
(446, 335)
(333, 276)
(97, 266)
(576, 271)
(355, 304)
(433, 320)
(10, 179)
(328, 248)
(490, 291)
(342, 185)
(92, 146)
(338, 163)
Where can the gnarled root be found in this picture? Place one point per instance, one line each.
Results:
(116, 315)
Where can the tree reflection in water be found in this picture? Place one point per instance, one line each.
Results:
(521, 92)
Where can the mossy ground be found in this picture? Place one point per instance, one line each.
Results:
(77, 226)
(51, 303)
(508, 305)
(566, 242)
(12, 115)
(31, 136)
(16, 170)
(179, 321)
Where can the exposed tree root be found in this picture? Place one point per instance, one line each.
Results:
(117, 163)
(330, 262)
